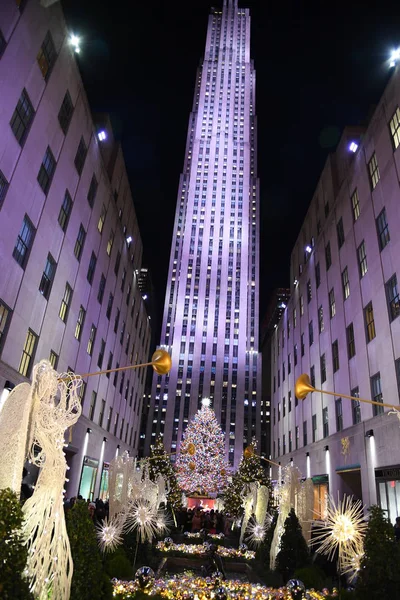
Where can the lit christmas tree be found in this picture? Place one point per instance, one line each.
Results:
(162, 465)
(201, 466)
(250, 469)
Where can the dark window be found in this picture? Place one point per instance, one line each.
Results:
(65, 211)
(3, 43)
(325, 422)
(339, 414)
(323, 368)
(91, 340)
(92, 405)
(310, 333)
(65, 303)
(102, 286)
(109, 306)
(24, 242)
(92, 191)
(335, 356)
(295, 354)
(356, 406)
(80, 156)
(117, 262)
(65, 114)
(382, 229)
(3, 188)
(312, 375)
(345, 284)
(351, 343)
(319, 227)
(369, 322)
(101, 354)
(305, 441)
(317, 275)
(302, 344)
(116, 321)
(284, 407)
(289, 401)
(283, 372)
(47, 277)
(5, 318)
(80, 241)
(332, 303)
(47, 56)
(102, 411)
(314, 428)
(28, 353)
(309, 291)
(328, 256)
(394, 127)
(121, 337)
(116, 375)
(297, 434)
(376, 391)
(109, 364)
(326, 209)
(102, 218)
(355, 205)
(373, 171)
(392, 296)
(123, 279)
(396, 362)
(362, 259)
(22, 117)
(79, 323)
(321, 319)
(53, 359)
(92, 268)
(340, 233)
(46, 170)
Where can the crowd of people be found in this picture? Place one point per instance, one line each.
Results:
(98, 510)
(197, 519)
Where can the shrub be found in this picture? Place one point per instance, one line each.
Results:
(118, 565)
(293, 553)
(312, 577)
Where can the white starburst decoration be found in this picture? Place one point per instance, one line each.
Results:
(142, 516)
(343, 529)
(255, 532)
(164, 522)
(351, 563)
(109, 534)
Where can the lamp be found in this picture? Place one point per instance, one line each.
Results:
(104, 439)
(9, 386)
(118, 446)
(369, 433)
(307, 454)
(326, 448)
(88, 430)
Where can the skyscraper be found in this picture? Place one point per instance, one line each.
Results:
(210, 321)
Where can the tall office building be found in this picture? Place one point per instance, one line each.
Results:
(210, 321)
(70, 245)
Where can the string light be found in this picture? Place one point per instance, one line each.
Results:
(200, 550)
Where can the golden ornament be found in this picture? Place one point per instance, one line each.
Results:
(223, 472)
(248, 452)
(191, 449)
(192, 466)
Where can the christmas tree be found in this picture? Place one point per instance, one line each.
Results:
(293, 553)
(160, 463)
(379, 575)
(250, 469)
(201, 466)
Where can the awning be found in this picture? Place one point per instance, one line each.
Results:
(348, 468)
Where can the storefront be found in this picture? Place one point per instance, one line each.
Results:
(103, 494)
(88, 478)
(321, 491)
(388, 491)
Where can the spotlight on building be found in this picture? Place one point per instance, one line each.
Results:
(129, 239)
(282, 305)
(326, 448)
(88, 430)
(75, 41)
(295, 282)
(104, 439)
(307, 454)
(308, 249)
(353, 147)
(144, 297)
(102, 135)
(394, 57)
(9, 386)
(369, 433)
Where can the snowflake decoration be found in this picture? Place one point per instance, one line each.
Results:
(109, 534)
(255, 533)
(351, 563)
(163, 522)
(141, 515)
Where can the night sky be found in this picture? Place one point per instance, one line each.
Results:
(319, 67)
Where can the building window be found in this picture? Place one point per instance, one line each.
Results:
(326, 209)
(302, 344)
(92, 337)
(117, 263)
(47, 277)
(109, 364)
(24, 242)
(65, 211)
(101, 354)
(392, 296)
(317, 275)
(320, 319)
(305, 441)
(80, 241)
(394, 127)
(22, 118)
(376, 391)
(301, 305)
(309, 291)
(362, 259)
(109, 306)
(339, 414)
(340, 233)
(80, 156)
(312, 375)
(356, 406)
(102, 411)
(3, 188)
(92, 405)
(351, 343)
(116, 320)
(65, 303)
(110, 243)
(92, 191)
(396, 362)
(65, 114)
(332, 303)
(28, 353)
(109, 419)
(5, 318)
(323, 368)
(328, 256)
(3, 43)
(47, 56)
(382, 229)
(325, 422)
(91, 268)
(369, 322)
(102, 285)
(294, 318)
(355, 205)
(297, 436)
(314, 428)
(53, 359)
(345, 283)
(46, 171)
(373, 171)
(310, 333)
(79, 323)
(295, 355)
(335, 356)
(102, 218)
